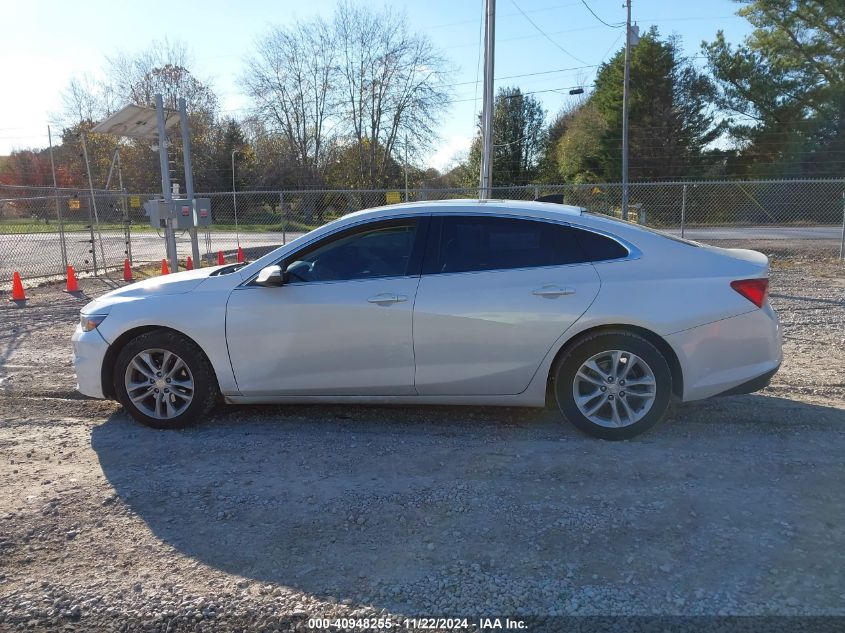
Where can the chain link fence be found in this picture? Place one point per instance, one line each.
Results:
(42, 230)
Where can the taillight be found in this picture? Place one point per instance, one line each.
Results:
(754, 290)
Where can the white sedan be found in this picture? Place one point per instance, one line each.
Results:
(449, 302)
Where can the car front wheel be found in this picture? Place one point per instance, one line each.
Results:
(613, 385)
(164, 380)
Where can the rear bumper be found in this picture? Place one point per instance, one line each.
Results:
(750, 386)
(89, 350)
(735, 355)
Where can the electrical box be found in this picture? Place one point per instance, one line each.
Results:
(158, 212)
(203, 207)
(180, 211)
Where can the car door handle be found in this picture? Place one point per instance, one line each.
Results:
(387, 297)
(553, 291)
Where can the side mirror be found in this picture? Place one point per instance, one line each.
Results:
(270, 276)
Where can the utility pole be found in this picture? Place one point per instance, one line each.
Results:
(406, 168)
(166, 191)
(189, 178)
(486, 180)
(626, 81)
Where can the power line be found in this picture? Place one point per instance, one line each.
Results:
(613, 26)
(542, 72)
(543, 33)
(504, 15)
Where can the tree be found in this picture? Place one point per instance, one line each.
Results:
(136, 78)
(785, 87)
(161, 68)
(227, 136)
(391, 87)
(87, 99)
(29, 167)
(344, 168)
(671, 119)
(548, 168)
(292, 79)
(362, 81)
(579, 152)
(518, 139)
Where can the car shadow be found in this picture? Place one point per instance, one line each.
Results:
(377, 504)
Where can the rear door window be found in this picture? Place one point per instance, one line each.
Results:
(476, 243)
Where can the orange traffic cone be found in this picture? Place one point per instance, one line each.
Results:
(127, 270)
(165, 269)
(240, 255)
(17, 288)
(71, 286)
(189, 263)
(220, 260)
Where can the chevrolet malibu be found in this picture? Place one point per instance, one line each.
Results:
(461, 302)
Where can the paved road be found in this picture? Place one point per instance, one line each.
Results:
(39, 254)
(762, 233)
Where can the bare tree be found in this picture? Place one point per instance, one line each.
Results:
(393, 86)
(357, 89)
(292, 80)
(161, 68)
(87, 99)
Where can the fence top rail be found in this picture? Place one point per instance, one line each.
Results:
(827, 181)
(52, 192)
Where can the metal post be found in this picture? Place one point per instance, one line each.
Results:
(235, 200)
(683, 209)
(189, 177)
(169, 233)
(59, 215)
(842, 241)
(486, 179)
(284, 223)
(625, 83)
(93, 217)
(127, 231)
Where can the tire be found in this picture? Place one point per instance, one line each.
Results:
(622, 404)
(136, 368)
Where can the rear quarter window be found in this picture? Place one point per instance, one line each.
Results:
(599, 248)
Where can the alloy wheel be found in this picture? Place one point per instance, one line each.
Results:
(159, 383)
(614, 388)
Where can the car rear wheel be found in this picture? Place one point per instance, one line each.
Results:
(613, 385)
(164, 380)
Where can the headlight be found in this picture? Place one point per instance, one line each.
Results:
(90, 321)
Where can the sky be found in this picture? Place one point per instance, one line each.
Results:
(44, 43)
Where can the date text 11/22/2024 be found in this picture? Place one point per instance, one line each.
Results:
(421, 623)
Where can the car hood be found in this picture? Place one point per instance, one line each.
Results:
(176, 283)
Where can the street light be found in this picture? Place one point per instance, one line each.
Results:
(235, 199)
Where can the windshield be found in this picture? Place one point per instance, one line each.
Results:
(667, 235)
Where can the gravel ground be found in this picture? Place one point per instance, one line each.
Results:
(266, 516)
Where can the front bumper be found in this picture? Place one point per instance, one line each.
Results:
(89, 351)
(735, 355)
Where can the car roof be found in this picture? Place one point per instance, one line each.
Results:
(475, 205)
